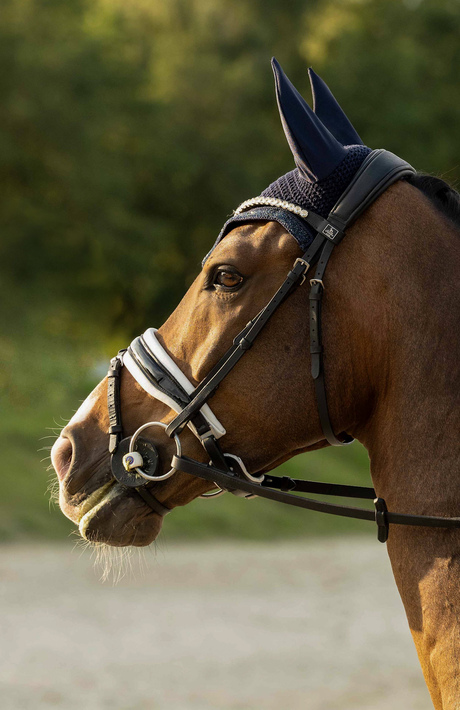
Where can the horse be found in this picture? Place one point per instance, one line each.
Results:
(390, 315)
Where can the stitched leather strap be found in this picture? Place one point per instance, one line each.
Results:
(316, 349)
(215, 452)
(113, 402)
(381, 516)
(300, 485)
(379, 170)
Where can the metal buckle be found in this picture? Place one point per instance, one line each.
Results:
(317, 281)
(306, 266)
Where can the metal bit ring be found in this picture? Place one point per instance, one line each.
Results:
(133, 442)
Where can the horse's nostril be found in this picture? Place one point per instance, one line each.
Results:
(61, 456)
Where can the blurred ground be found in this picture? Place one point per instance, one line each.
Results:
(240, 626)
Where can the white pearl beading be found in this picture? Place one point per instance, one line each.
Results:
(272, 202)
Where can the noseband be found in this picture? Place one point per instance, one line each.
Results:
(135, 459)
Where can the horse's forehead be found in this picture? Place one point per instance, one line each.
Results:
(253, 242)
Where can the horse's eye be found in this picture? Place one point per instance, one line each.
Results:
(227, 280)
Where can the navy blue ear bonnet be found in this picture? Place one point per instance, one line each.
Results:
(327, 152)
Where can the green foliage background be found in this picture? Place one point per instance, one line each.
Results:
(129, 129)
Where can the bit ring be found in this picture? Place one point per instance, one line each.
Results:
(132, 443)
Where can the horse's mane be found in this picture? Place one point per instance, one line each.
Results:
(441, 194)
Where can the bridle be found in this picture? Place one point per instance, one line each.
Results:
(135, 459)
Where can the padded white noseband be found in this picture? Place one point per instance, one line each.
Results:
(153, 344)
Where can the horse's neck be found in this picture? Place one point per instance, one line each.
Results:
(414, 436)
(413, 439)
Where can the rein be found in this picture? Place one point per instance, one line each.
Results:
(135, 459)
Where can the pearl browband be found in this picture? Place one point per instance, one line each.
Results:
(272, 202)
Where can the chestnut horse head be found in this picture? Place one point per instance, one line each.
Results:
(391, 344)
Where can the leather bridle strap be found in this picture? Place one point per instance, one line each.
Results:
(316, 350)
(153, 502)
(113, 401)
(381, 515)
(301, 485)
(380, 169)
(245, 339)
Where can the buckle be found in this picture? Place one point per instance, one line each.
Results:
(314, 282)
(305, 265)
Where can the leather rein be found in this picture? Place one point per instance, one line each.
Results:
(134, 459)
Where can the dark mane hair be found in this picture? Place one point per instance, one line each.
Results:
(442, 195)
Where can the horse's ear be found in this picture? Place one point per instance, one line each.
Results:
(328, 110)
(316, 152)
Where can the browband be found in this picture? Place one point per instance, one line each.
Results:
(378, 171)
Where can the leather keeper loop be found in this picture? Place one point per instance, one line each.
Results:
(315, 295)
(381, 519)
(113, 443)
(287, 484)
(245, 344)
(316, 365)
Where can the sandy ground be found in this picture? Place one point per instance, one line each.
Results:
(311, 625)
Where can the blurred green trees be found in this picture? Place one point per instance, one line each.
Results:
(129, 130)
(395, 65)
